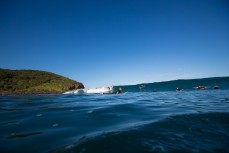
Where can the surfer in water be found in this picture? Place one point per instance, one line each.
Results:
(216, 87)
(178, 89)
(119, 91)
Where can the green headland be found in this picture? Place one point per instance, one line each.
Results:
(35, 82)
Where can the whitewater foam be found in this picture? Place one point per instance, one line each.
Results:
(100, 90)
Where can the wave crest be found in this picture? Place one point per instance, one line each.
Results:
(100, 90)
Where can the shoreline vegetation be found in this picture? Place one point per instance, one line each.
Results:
(19, 82)
(16, 82)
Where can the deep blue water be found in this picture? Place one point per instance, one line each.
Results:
(133, 122)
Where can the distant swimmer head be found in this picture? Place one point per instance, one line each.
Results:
(119, 91)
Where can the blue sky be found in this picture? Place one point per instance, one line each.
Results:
(114, 42)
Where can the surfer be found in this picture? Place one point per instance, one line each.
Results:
(178, 89)
(216, 87)
(119, 91)
(200, 88)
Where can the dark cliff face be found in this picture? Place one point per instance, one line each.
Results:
(75, 85)
(35, 82)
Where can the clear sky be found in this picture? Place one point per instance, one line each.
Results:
(114, 42)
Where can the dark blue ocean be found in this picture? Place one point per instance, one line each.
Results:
(133, 122)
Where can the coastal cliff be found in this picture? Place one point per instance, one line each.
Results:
(35, 82)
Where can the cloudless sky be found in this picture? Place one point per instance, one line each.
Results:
(114, 42)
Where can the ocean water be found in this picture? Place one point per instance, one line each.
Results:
(187, 85)
(133, 122)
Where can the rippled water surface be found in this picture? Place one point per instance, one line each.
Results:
(191, 121)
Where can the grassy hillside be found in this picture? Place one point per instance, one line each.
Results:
(34, 81)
